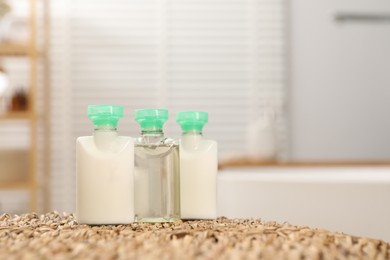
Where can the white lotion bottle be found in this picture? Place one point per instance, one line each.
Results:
(105, 171)
(261, 137)
(198, 168)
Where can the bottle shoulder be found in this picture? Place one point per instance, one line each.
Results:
(125, 139)
(210, 142)
(195, 145)
(90, 137)
(84, 139)
(197, 139)
(119, 144)
(171, 141)
(153, 141)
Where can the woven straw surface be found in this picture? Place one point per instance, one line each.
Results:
(58, 236)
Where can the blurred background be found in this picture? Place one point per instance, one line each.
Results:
(283, 81)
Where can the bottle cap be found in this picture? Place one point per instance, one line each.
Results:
(105, 115)
(151, 119)
(192, 120)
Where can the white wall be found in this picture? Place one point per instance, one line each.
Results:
(339, 88)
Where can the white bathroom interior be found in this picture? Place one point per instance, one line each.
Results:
(297, 94)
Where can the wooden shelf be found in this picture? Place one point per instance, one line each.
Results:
(248, 162)
(15, 115)
(13, 49)
(29, 50)
(15, 184)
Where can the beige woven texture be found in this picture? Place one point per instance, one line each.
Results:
(58, 236)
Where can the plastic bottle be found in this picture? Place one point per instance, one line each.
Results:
(261, 137)
(105, 171)
(198, 168)
(157, 183)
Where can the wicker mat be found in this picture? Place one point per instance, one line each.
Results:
(58, 236)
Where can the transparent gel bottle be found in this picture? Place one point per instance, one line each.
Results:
(157, 183)
(105, 171)
(198, 168)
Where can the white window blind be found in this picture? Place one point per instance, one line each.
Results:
(225, 57)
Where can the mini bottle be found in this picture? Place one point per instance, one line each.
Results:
(198, 168)
(105, 171)
(157, 190)
(262, 138)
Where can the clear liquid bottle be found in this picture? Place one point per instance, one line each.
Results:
(157, 183)
(198, 168)
(105, 171)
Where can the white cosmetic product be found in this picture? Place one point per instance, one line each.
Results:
(105, 171)
(261, 137)
(198, 168)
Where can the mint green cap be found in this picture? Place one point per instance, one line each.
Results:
(105, 115)
(151, 119)
(192, 120)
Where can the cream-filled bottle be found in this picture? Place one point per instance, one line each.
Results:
(198, 168)
(105, 171)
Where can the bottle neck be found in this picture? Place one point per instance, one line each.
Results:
(152, 132)
(106, 127)
(104, 136)
(192, 132)
(191, 140)
(151, 136)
